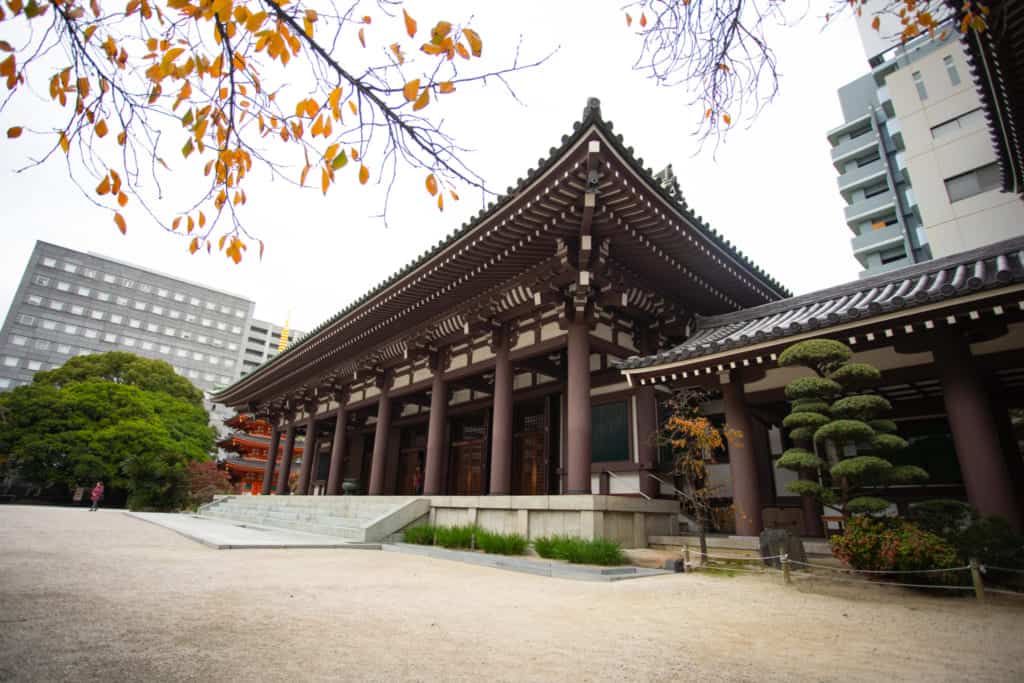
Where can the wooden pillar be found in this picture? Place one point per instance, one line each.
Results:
(437, 447)
(1011, 449)
(286, 462)
(578, 407)
(746, 496)
(337, 452)
(501, 430)
(646, 433)
(308, 455)
(975, 434)
(268, 473)
(380, 443)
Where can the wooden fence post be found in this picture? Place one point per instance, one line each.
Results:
(785, 568)
(979, 585)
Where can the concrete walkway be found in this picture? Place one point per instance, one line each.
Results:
(226, 535)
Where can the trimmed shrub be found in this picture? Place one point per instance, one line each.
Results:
(866, 505)
(942, 517)
(810, 405)
(857, 376)
(861, 407)
(816, 353)
(892, 544)
(887, 444)
(844, 431)
(906, 474)
(801, 434)
(805, 419)
(990, 540)
(501, 544)
(802, 487)
(798, 458)
(883, 426)
(421, 534)
(578, 551)
(861, 466)
(812, 387)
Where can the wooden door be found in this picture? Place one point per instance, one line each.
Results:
(530, 465)
(410, 472)
(468, 468)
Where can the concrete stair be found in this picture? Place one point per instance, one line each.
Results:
(358, 519)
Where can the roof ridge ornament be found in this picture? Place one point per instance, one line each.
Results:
(593, 108)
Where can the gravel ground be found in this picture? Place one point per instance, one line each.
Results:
(105, 597)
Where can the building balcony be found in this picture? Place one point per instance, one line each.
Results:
(846, 127)
(895, 133)
(871, 208)
(859, 177)
(871, 241)
(848, 150)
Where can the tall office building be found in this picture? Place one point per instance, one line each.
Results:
(71, 303)
(916, 164)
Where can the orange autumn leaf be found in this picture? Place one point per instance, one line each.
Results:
(101, 128)
(104, 186)
(397, 51)
(14, 131)
(364, 174)
(727, 119)
(447, 87)
(440, 202)
(475, 44)
(643, 19)
(122, 199)
(876, 23)
(410, 24)
(121, 225)
(422, 101)
(629, 19)
(193, 246)
(362, 38)
(431, 184)
(410, 89)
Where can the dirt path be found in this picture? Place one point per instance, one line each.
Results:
(101, 596)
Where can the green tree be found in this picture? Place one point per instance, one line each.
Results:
(123, 419)
(834, 415)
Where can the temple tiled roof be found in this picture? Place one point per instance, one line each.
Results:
(591, 116)
(989, 267)
(996, 59)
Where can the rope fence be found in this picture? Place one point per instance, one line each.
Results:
(846, 575)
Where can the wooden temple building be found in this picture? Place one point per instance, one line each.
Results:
(527, 354)
(249, 442)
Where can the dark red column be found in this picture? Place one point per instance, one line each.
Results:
(437, 448)
(578, 414)
(380, 443)
(308, 453)
(501, 430)
(286, 462)
(975, 434)
(268, 474)
(337, 452)
(746, 495)
(647, 432)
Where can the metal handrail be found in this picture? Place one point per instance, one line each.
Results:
(689, 519)
(612, 474)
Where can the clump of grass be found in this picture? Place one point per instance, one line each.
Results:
(501, 544)
(456, 536)
(578, 551)
(421, 534)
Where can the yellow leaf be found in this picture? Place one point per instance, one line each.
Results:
(410, 89)
(422, 101)
(339, 161)
(14, 132)
(119, 219)
(220, 242)
(475, 44)
(410, 24)
(190, 226)
(432, 49)
(440, 202)
(122, 199)
(461, 49)
(440, 32)
(101, 128)
(431, 184)
(447, 86)
(455, 197)
(302, 177)
(325, 180)
(397, 50)
(364, 174)
(352, 106)
(104, 186)
(202, 219)
(334, 98)
(727, 119)
(193, 246)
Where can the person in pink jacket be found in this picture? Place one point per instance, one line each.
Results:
(97, 496)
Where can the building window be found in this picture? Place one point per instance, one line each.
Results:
(190, 318)
(157, 310)
(147, 346)
(71, 329)
(222, 326)
(5, 383)
(18, 340)
(179, 297)
(174, 315)
(181, 353)
(219, 343)
(214, 360)
(865, 161)
(116, 319)
(610, 440)
(922, 92)
(127, 283)
(165, 349)
(42, 281)
(109, 279)
(206, 322)
(35, 300)
(884, 223)
(146, 289)
(225, 310)
(103, 296)
(210, 306)
(169, 331)
(97, 315)
(128, 341)
(91, 334)
(135, 324)
(110, 337)
(194, 301)
(954, 77)
(974, 182)
(35, 365)
(194, 374)
(64, 286)
(209, 377)
(202, 339)
(232, 346)
(49, 262)
(239, 314)
(57, 305)
(89, 273)
(64, 349)
(236, 329)
(70, 268)
(140, 305)
(972, 119)
(10, 361)
(875, 190)
(122, 301)
(42, 345)
(228, 363)
(892, 255)
(152, 327)
(77, 310)
(197, 356)
(84, 291)
(49, 325)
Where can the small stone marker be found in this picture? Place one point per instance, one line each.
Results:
(775, 542)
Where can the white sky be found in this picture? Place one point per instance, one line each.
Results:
(771, 189)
